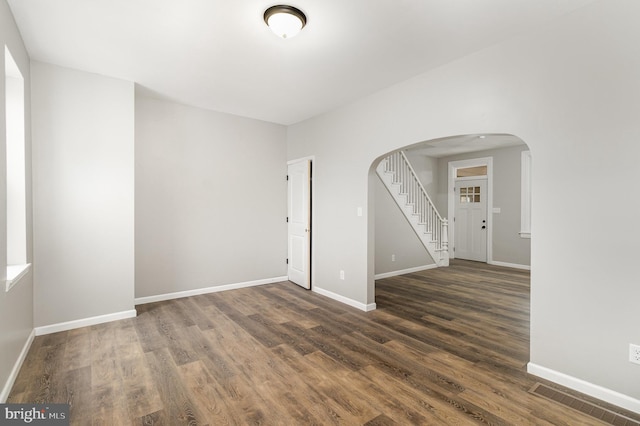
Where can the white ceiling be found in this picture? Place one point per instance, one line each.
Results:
(219, 55)
(463, 144)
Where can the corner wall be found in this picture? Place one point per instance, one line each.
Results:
(211, 199)
(83, 171)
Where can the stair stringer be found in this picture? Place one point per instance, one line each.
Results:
(425, 235)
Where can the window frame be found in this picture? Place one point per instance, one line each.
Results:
(16, 179)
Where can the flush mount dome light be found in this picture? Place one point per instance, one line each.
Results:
(285, 21)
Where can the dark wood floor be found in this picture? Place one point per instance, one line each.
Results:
(446, 346)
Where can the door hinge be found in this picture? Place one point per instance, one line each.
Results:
(287, 219)
(287, 177)
(287, 261)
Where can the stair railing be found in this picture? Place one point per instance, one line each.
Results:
(403, 174)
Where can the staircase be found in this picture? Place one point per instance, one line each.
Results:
(403, 184)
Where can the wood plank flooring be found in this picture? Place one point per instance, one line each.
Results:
(445, 347)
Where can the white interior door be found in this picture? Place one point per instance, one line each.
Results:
(471, 220)
(299, 223)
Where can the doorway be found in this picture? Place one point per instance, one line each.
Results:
(470, 218)
(299, 220)
(470, 201)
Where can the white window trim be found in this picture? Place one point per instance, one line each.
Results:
(15, 145)
(14, 274)
(525, 195)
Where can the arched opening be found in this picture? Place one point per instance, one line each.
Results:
(498, 159)
(458, 302)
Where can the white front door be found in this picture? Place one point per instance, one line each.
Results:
(471, 219)
(299, 223)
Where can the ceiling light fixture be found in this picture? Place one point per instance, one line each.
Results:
(285, 21)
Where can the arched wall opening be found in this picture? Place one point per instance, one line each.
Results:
(551, 88)
(395, 249)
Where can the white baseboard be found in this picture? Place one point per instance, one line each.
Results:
(404, 271)
(604, 394)
(85, 322)
(16, 368)
(345, 300)
(510, 265)
(198, 291)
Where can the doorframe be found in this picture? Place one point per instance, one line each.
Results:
(311, 158)
(451, 185)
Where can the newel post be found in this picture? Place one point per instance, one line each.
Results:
(444, 254)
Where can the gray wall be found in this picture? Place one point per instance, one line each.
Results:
(508, 247)
(395, 236)
(83, 164)
(210, 198)
(570, 91)
(16, 306)
(426, 169)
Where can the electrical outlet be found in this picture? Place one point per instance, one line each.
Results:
(393, 257)
(634, 353)
(342, 275)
